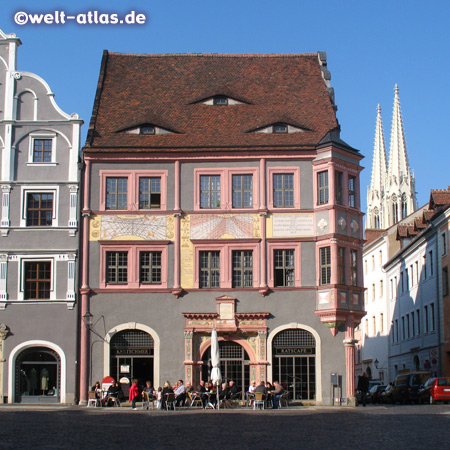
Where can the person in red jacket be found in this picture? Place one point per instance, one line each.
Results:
(134, 392)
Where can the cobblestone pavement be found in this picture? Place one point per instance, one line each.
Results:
(373, 427)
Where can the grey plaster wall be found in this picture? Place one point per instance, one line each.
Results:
(52, 323)
(36, 172)
(163, 313)
(46, 110)
(308, 256)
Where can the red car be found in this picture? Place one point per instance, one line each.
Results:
(435, 390)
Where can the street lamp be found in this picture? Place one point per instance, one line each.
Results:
(88, 319)
(376, 363)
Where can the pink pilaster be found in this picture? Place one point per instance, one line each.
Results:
(176, 275)
(349, 344)
(262, 184)
(84, 291)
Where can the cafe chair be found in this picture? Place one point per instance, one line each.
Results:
(259, 400)
(92, 399)
(284, 400)
(146, 400)
(170, 401)
(195, 399)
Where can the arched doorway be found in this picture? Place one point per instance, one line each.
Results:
(294, 362)
(131, 356)
(38, 376)
(234, 364)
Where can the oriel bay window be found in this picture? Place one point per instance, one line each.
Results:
(322, 183)
(341, 265)
(325, 265)
(354, 267)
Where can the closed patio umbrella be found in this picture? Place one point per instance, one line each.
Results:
(216, 376)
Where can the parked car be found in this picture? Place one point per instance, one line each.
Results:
(405, 388)
(374, 395)
(386, 395)
(435, 390)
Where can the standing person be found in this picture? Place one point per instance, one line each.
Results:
(134, 392)
(277, 393)
(159, 398)
(363, 387)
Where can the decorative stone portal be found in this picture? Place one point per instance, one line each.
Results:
(242, 343)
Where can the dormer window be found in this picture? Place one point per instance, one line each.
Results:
(280, 128)
(147, 130)
(220, 100)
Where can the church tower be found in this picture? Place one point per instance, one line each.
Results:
(391, 196)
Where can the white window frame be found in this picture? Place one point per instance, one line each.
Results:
(25, 190)
(37, 258)
(35, 136)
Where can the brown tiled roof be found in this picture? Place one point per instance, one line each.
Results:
(406, 231)
(164, 90)
(439, 197)
(370, 234)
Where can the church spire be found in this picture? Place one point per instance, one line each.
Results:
(391, 195)
(400, 189)
(378, 180)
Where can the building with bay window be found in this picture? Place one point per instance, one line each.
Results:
(39, 148)
(217, 193)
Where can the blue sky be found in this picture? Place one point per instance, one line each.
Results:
(370, 47)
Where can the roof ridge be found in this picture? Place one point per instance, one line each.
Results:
(217, 55)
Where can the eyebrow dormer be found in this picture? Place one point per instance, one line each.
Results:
(279, 128)
(146, 129)
(221, 100)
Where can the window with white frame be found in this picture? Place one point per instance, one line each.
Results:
(284, 268)
(37, 280)
(39, 206)
(42, 149)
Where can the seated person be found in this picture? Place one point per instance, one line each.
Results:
(150, 391)
(189, 387)
(97, 389)
(167, 389)
(233, 390)
(180, 393)
(276, 394)
(114, 391)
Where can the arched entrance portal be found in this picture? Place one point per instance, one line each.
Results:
(294, 362)
(38, 376)
(234, 364)
(131, 357)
